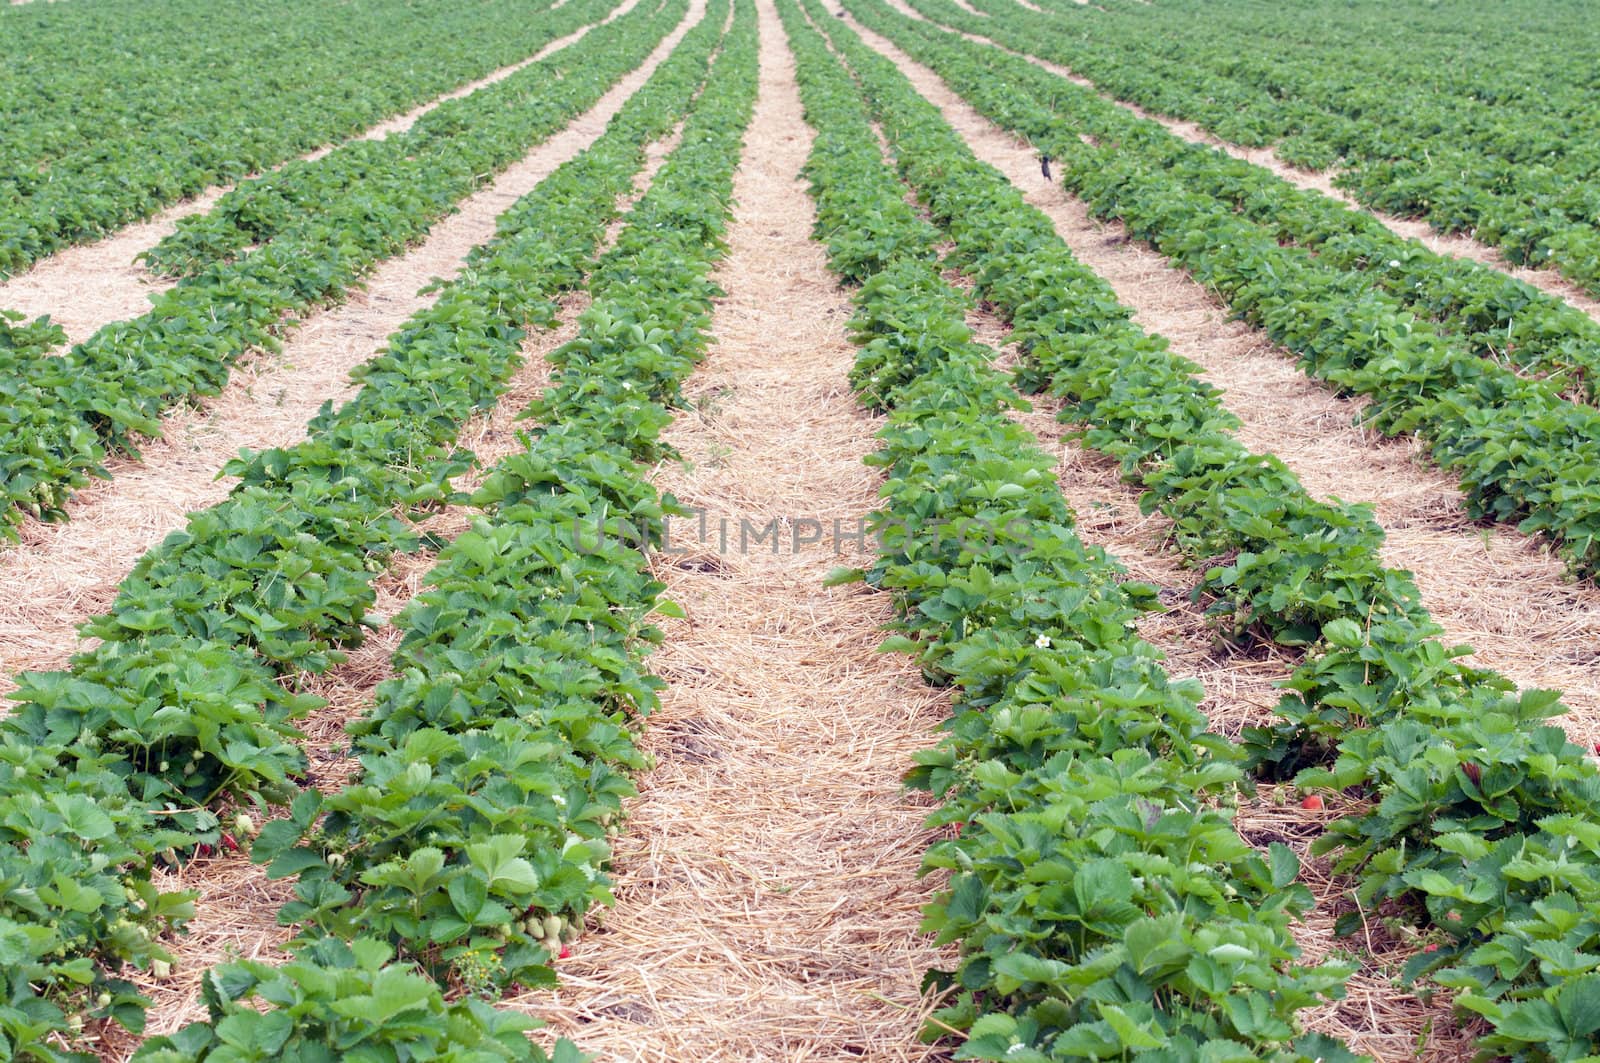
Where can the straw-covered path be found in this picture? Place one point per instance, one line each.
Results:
(767, 890)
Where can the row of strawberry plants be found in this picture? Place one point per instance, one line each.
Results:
(1503, 152)
(494, 765)
(112, 114)
(1100, 911)
(185, 701)
(1463, 777)
(97, 397)
(1278, 86)
(1284, 565)
(22, 343)
(453, 146)
(1521, 452)
(1496, 315)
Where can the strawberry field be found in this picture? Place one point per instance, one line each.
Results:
(759, 529)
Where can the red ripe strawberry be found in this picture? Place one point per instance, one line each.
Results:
(1472, 771)
(1597, 749)
(959, 828)
(203, 850)
(1430, 948)
(229, 844)
(1312, 803)
(565, 952)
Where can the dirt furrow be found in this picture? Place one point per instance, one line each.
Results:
(1501, 591)
(1549, 281)
(767, 894)
(62, 574)
(88, 286)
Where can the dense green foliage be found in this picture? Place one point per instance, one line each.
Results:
(494, 764)
(191, 697)
(1099, 910)
(110, 114)
(1478, 117)
(1481, 817)
(102, 394)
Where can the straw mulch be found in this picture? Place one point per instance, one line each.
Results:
(88, 286)
(768, 899)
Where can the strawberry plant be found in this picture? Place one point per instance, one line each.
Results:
(348, 1001)
(191, 698)
(1476, 801)
(492, 767)
(1099, 911)
(101, 395)
(148, 111)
